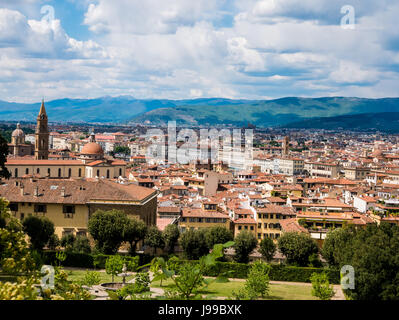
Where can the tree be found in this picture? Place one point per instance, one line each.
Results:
(267, 249)
(134, 231)
(39, 229)
(217, 235)
(171, 236)
(297, 248)
(114, 265)
(107, 229)
(335, 239)
(194, 244)
(54, 242)
(245, 243)
(4, 173)
(190, 278)
(67, 241)
(154, 239)
(321, 286)
(122, 149)
(257, 283)
(81, 245)
(373, 252)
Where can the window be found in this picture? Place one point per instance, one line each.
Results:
(252, 228)
(80, 172)
(22, 216)
(265, 225)
(192, 219)
(98, 173)
(69, 172)
(49, 172)
(38, 170)
(26, 171)
(199, 219)
(13, 206)
(259, 225)
(239, 227)
(107, 174)
(16, 173)
(246, 227)
(59, 173)
(208, 220)
(259, 235)
(40, 208)
(183, 219)
(120, 172)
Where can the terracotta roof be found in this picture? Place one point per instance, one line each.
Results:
(271, 208)
(77, 191)
(30, 162)
(200, 213)
(245, 221)
(291, 225)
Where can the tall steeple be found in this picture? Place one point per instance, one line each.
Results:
(42, 135)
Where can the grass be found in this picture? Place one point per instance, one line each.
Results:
(78, 275)
(277, 291)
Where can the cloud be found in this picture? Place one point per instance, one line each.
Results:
(182, 49)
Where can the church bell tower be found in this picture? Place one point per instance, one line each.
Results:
(42, 135)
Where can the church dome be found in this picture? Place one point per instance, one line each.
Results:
(92, 148)
(18, 133)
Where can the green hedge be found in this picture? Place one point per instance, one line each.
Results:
(82, 260)
(277, 273)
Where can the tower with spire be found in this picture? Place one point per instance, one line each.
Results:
(42, 135)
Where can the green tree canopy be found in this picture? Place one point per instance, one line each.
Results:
(39, 229)
(154, 238)
(373, 252)
(216, 235)
(133, 232)
(297, 248)
(194, 244)
(245, 243)
(107, 229)
(171, 236)
(267, 249)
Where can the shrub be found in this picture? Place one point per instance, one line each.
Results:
(257, 284)
(194, 244)
(39, 229)
(81, 245)
(267, 249)
(67, 241)
(321, 286)
(297, 248)
(91, 278)
(114, 265)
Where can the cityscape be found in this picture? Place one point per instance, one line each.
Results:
(236, 187)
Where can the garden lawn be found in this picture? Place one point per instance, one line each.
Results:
(277, 291)
(78, 275)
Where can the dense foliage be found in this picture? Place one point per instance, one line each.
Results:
(39, 229)
(194, 244)
(244, 243)
(297, 248)
(373, 252)
(107, 229)
(267, 249)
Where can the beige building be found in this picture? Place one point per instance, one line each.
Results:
(69, 204)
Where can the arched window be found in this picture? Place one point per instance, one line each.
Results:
(59, 173)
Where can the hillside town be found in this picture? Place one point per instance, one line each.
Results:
(304, 181)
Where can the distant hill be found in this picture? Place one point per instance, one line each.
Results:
(206, 111)
(386, 121)
(265, 113)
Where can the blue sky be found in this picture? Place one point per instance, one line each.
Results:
(178, 49)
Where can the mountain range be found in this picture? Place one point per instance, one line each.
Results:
(289, 112)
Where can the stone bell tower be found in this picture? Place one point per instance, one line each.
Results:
(42, 135)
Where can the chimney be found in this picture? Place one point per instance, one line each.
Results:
(63, 192)
(36, 191)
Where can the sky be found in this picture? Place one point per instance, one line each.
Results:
(181, 49)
